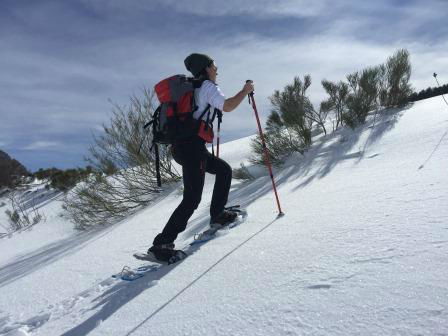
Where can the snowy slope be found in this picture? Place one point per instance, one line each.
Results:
(362, 250)
(52, 227)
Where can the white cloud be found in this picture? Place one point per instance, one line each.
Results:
(216, 8)
(260, 8)
(43, 145)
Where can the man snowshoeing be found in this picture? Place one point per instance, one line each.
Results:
(195, 160)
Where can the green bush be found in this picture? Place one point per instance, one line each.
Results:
(242, 173)
(396, 73)
(384, 85)
(125, 176)
(337, 100)
(289, 125)
(364, 88)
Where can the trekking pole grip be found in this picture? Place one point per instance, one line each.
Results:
(250, 94)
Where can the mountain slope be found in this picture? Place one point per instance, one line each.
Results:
(10, 169)
(362, 250)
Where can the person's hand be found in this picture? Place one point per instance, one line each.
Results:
(248, 87)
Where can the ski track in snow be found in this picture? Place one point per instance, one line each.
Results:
(354, 264)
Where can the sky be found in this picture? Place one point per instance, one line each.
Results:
(63, 64)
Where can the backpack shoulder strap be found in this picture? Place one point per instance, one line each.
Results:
(207, 109)
(217, 113)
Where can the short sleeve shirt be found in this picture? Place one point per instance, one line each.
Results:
(208, 93)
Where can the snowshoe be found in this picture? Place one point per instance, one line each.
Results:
(162, 254)
(129, 274)
(225, 218)
(238, 215)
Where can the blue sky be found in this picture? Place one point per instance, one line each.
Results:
(62, 62)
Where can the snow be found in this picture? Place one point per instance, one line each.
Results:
(362, 249)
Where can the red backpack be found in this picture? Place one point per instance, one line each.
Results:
(173, 121)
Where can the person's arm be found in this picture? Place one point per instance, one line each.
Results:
(232, 103)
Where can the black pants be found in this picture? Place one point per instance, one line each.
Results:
(196, 160)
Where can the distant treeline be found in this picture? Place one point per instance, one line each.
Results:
(429, 93)
(63, 179)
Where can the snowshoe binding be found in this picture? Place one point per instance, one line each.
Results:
(225, 218)
(230, 217)
(162, 254)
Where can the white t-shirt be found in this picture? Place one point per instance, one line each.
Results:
(208, 93)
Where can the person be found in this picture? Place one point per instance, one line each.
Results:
(196, 160)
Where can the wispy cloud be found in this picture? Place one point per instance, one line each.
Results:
(258, 9)
(39, 145)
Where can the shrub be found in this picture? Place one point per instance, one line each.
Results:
(242, 173)
(364, 87)
(21, 216)
(337, 99)
(396, 73)
(124, 176)
(288, 126)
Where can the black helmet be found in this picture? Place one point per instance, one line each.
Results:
(195, 63)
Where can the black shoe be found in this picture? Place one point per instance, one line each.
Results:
(225, 218)
(163, 252)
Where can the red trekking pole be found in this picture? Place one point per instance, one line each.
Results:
(266, 154)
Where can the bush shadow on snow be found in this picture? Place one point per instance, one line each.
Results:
(333, 149)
